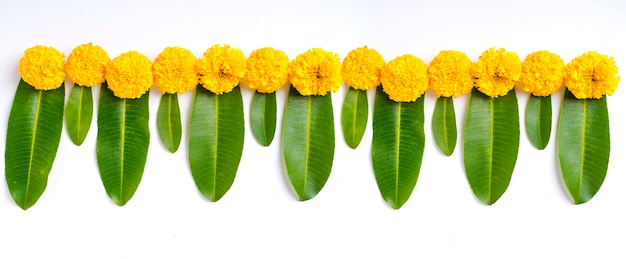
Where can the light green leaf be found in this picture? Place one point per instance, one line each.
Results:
(308, 142)
(216, 135)
(491, 144)
(397, 147)
(168, 122)
(33, 135)
(122, 143)
(263, 117)
(78, 113)
(444, 125)
(539, 120)
(584, 145)
(354, 116)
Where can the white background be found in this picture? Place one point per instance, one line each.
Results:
(260, 216)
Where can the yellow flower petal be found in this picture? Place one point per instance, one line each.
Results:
(86, 65)
(221, 68)
(496, 72)
(315, 72)
(362, 67)
(542, 73)
(450, 74)
(42, 67)
(267, 70)
(591, 75)
(404, 79)
(174, 70)
(129, 75)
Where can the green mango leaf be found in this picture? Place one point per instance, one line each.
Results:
(397, 147)
(308, 142)
(444, 125)
(263, 117)
(78, 113)
(354, 116)
(584, 145)
(168, 122)
(33, 135)
(491, 144)
(122, 143)
(216, 135)
(539, 120)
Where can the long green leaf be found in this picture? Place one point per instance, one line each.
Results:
(122, 143)
(308, 142)
(33, 135)
(397, 147)
(78, 113)
(584, 145)
(263, 117)
(216, 135)
(354, 116)
(539, 120)
(491, 144)
(444, 125)
(168, 122)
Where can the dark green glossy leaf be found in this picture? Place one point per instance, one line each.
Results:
(122, 143)
(539, 120)
(397, 147)
(584, 145)
(33, 136)
(444, 125)
(168, 122)
(308, 142)
(491, 144)
(354, 116)
(263, 117)
(216, 135)
(78, 113)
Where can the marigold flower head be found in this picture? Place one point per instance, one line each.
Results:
(450, 74)
(315, 72)
(129, 75)
(42, 67)
(542, 73)
(174, 70)
(591, 75)
(404, 79)
(496, 72)
(267, 70)
(362, 67)
(221, 68)
(86, 65)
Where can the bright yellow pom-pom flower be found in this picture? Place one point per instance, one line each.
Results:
(497, 71)
(591, 75)
(362, 67)
(174, 70)
(221, 68)
(404, 79)
(42, 67)
(129, 75)
(86, 65)
(315, 72)
(542, 73)
(450, 74)
(267, 70)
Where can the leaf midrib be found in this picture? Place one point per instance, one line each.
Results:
(399, 132)
(354, 116)
(307, 145)
(491, 126)
(445, 124)
(32, 147)
(582, 148)
(216, 129)
(122, 143)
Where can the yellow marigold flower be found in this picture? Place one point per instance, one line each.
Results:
(542, 73)
(267, 70)
(404, 79)
(174, 70)
(129, 75)
(591, 75)
(42, 67)
(497, 71)
(362, 67)
(315, 72)
(221, 68)
(450, 74)
(86, 65)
